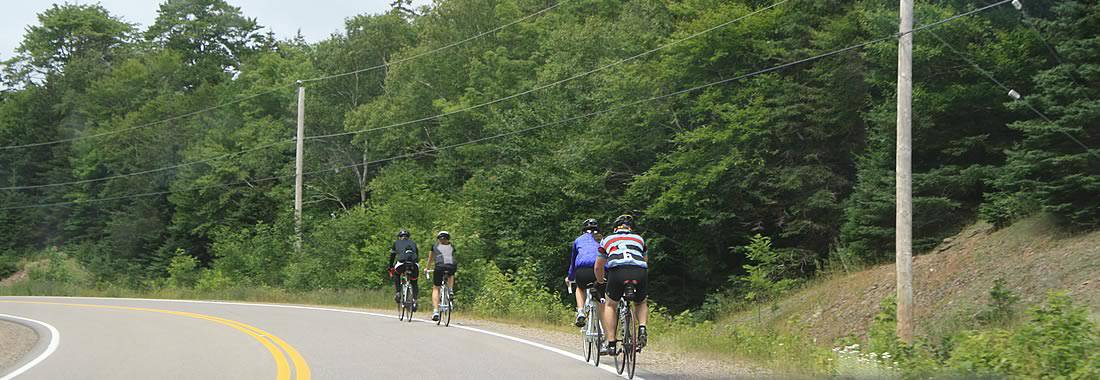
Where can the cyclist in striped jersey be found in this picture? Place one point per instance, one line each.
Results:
(622, 258)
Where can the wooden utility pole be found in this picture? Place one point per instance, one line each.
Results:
(300, 141)
(903, 224)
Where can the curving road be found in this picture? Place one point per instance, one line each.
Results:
(101, 338)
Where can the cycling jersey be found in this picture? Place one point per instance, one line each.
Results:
(443, 254)
(584, 251)
(404, 250)
(623, 248)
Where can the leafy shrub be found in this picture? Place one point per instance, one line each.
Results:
(1001, 309)
(8, 265)
(213, 280)
(766, 278)
(519, 294)
(1059, 341)
(1003, 208)
(183, 271)
(882, 335)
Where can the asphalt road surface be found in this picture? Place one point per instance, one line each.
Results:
(102, 338)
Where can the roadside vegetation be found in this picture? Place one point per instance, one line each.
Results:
(767, 202)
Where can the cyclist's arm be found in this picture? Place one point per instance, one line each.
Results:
(601, 261)
(431, 258)
(393, 255)
(571, 275)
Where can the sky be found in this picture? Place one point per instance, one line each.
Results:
(317, 19)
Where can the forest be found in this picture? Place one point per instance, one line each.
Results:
(725, 125)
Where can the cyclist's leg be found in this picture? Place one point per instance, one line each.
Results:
(437, 281)
(610, 319)
(397, 283)
(414, 271)
(614, 293)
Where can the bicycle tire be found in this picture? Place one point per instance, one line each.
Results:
(599, 341)
(442, 297)
(624, 336)
(586, 342)
(450, 307)
(408, 304)
(632, 353)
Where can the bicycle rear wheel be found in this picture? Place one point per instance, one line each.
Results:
(624, 337)
(408, 303)
(632, 353)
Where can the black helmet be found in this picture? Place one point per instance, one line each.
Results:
(403, 233)
(591, 225)
(443, 235)
(626, 220)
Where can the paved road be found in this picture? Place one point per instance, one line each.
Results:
(146, 339)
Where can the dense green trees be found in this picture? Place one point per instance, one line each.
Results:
(801, 157)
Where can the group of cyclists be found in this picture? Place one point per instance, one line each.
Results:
(405, 259)
(604, 262)
(608, 263)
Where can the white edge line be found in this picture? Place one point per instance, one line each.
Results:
(558, 351)
(55, 340)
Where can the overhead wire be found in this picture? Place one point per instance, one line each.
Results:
(466, 109)
(1010, 92)
(144, 125)
(274, 89)
(438, 49)
(554, 83)
(520, 131)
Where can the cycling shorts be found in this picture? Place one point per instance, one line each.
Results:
(583, 277)
(442, 271)
(618, 275)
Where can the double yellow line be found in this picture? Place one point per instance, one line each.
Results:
(278, 348)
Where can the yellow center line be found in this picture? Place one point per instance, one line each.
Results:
(282, 366)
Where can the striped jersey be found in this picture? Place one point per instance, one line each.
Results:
(623, 248)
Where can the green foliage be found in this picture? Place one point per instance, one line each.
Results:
(882, 336)
(766, 276)
(9, 264)
(1002, 209)
(59, 268)
(183, 271)
(1057, 160)
(1001, 308)
(518, 294)
(1058, 342)
(802, 155)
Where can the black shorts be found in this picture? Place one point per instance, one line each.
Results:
(442, 271)
(618, 275)
(583, 277)
(412, 268)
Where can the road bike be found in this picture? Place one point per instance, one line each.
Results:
(446, 299)
(592, 335)
(405, 307)
(626, 358)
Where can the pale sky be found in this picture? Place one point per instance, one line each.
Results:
(317, 19)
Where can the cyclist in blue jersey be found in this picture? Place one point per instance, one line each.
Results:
(582, 259)
(623, 257)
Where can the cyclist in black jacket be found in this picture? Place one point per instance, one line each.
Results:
(405, 254)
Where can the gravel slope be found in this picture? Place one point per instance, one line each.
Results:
(15, 341)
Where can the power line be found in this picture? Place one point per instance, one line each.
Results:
(507, 134)
(1012, 93)
(150, 171)
(555, 83)
(146, 125)
(538, 88)
(208, 109)
(444, 47)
